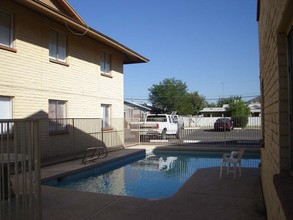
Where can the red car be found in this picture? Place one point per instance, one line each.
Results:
(223, 124)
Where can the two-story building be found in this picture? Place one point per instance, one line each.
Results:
(52, 64)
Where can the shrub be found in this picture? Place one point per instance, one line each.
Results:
(239, 121)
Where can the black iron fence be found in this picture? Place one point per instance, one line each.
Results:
(26, 145)
(203, 131)
(67, 139)
(20, 188)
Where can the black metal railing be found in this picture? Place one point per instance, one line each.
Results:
(203, 131)
(68, 138)
(20, 185)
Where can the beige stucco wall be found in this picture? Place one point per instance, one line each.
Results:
(31, 79)
(274, 25)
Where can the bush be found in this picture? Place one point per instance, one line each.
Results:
(240, 121)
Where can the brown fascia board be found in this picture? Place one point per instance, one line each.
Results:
(130, 56)
(63, 8)
(258, 10)
(70, 10)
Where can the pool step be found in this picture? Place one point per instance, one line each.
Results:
(94, 153)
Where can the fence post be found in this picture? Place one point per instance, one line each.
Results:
(73, 138)
(139, 136)
(37, 168)
(102, 130)
(225, 129)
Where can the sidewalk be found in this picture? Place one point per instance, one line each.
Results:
(203, 196)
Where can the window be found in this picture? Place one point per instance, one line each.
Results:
(5, 113)
(105, 63)
(6, 29)
(5, 108)
(105, 109)
(57, 46)
(57, 116)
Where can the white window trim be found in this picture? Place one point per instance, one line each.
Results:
(57, 125)
(106, 121)
(103, 60)
(4, 127)
(10, 106)
(57, 44)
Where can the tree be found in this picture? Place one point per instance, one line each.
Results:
(198, 102)
(167, 95)
(239, 112)
(171, 95)
(231, 99)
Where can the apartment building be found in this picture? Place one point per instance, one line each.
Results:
(52, 64)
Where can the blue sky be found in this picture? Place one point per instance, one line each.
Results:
(211, 45)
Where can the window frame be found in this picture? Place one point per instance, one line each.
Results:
(9, 99)
(105, 59)
(56, 47)
(9, 47)
(106, 111)
(10, 114)
(57, 125)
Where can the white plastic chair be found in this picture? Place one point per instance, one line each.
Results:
(235, 158)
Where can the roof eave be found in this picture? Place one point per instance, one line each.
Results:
(130, 56)
(137, 105)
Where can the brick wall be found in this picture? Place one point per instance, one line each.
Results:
(273, 29)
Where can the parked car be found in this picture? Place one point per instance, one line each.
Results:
(156, 125)
(179, 121)
(223, 124)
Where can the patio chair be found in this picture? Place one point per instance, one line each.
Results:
(235, 158)
(93, 153)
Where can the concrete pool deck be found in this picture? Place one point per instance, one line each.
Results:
(203, 196)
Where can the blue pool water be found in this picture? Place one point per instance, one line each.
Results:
(157, 174)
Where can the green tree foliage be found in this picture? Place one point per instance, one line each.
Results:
(171, 95)
(198, 102)
(166, 95)
(239, 112)
(231, 99)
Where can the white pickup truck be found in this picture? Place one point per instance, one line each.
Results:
(157, 125)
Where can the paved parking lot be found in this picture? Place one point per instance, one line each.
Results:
(208, 136)
(212, 135)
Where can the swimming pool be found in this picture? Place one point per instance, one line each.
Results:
(157, 174)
